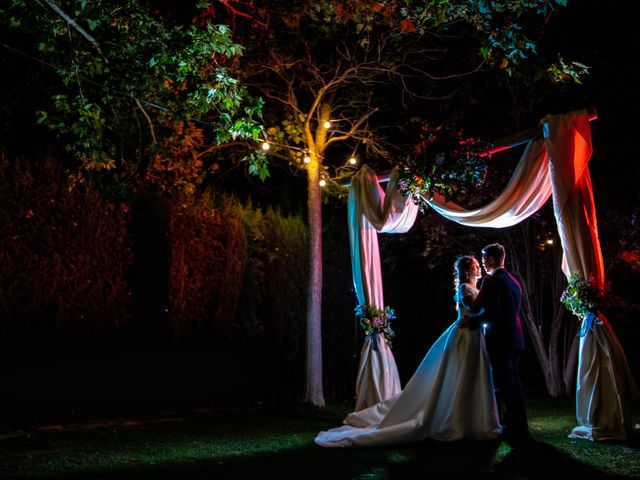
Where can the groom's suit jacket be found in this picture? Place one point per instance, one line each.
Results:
(500, 297)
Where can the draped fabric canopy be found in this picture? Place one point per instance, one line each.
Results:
(371, 211)
(554, 165)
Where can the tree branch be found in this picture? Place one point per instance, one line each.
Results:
(353, 129)
(213, 148)
(77, 27)
(146, 115)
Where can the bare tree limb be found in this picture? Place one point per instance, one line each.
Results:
(213, 148)
(146, 115)
(75, 25)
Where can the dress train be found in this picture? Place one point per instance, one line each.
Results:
(449, 397)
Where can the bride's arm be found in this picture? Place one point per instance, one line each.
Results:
(465, 300)
(473, 313)
(477, 304)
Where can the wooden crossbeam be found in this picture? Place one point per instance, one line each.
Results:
(525, 136)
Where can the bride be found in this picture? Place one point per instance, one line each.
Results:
(449, 397)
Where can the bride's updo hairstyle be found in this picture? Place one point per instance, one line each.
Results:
(460, 268)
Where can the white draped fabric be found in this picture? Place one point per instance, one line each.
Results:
(370, 212)
(528, 189)
(557, 165)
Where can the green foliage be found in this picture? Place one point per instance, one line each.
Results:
(286, 136)
(277, 263)
(272, 303)
(582, 296)
(444, 162)
(128, 80)
(503, 41)
(65, 252)
(562, 71)
(357, 58)
(258, 164)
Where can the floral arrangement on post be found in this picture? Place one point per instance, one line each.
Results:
(582, 297)
(457, 166)
(376, 322)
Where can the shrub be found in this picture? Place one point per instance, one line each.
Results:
(64, 253)
(207, 254)
(271, 313)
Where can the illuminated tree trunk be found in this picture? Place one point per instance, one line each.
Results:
(314, 393)
(316, 143)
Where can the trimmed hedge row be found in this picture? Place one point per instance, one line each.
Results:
(73, 262)
(203, 271)
(64, 252)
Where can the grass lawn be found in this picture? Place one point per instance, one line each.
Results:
(268, 442)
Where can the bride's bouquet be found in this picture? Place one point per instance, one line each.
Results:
(375, 321)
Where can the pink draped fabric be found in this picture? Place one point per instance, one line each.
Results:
(370, 212)
(557, 165)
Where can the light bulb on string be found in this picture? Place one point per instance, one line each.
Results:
(327, 124)
(322, 182)
(265, 145)
(306, 159)
(353, 161)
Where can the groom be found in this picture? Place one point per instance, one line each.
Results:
(500, 297)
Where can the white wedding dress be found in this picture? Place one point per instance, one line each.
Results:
(449, 397)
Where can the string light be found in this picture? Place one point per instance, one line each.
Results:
(306, 159)
(550, 241)
(353, 161)
(327, 124)
(322, 182)
(265, 145)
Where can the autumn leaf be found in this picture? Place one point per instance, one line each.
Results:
(407, 25)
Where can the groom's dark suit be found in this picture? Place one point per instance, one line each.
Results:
(500, 297)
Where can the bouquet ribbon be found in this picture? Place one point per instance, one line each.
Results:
(587, 323)
(374, 341)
